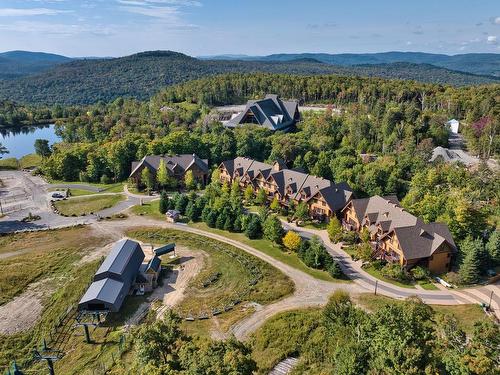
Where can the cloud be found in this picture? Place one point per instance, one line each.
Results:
(60, 29)
(160, 2)
(319, 26)
(23, 12)
(491, 39)
(495, 20)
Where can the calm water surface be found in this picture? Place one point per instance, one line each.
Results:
(21, 141)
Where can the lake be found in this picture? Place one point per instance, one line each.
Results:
(21, 141)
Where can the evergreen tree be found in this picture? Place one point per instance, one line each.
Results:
(191, 211)
(493, 247)
(228, 224)
(181, 203)
(164, 203)
(237, 224)
(273, 230)
(254, 228)
(211, 219)
(470, 269)
(221, 220)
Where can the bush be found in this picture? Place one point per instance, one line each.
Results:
(335, 271)
(105, 179)
(395, 271)
(350, 237)
(420, 273)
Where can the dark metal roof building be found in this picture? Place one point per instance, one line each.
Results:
(114, 277)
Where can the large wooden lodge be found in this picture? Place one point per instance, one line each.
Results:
(396, 235)
(323, 197)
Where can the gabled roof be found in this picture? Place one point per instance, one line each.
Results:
(106, 290)
(270, 112)
(120, 256)
(422, 240)
(154, 264)
(175, 164)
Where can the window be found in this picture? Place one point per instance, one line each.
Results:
(448, 255)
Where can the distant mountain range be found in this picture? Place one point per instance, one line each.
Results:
(31, 77)
(475, 63)
(15, 64)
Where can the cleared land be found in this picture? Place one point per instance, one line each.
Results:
(230, 278)
(87, 204)
(39, 284)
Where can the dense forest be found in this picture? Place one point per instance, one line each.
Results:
(476, 63)
(142, 75)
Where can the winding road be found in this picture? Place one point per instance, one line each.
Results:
(308, 290)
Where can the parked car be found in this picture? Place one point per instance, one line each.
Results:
(57, 196)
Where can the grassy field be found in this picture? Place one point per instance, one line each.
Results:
(241, 277)
(41, 255)
(268, 248)
(9, 163)
(84, 205)
(466, 315)
(282, 336)
(52, 255)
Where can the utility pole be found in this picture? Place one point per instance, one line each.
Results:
(376, 284)
(491, 297)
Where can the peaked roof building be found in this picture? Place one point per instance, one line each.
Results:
(398, 231)
(287, 184)
(270, 112)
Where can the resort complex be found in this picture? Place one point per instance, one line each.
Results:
(289, 186)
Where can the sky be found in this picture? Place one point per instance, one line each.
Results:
(108, 28)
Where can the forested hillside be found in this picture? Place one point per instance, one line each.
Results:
(14, 64)
(142, 75)
(476, 63)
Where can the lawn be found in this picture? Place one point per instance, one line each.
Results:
(149, 209)
(229, 276)
(268, 248)
(116, 187)
(79, 206)
(466, 315)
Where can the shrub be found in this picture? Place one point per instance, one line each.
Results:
(394, 271)
(420, 273)
(335, 271)
(105, 179)
(349, 237)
